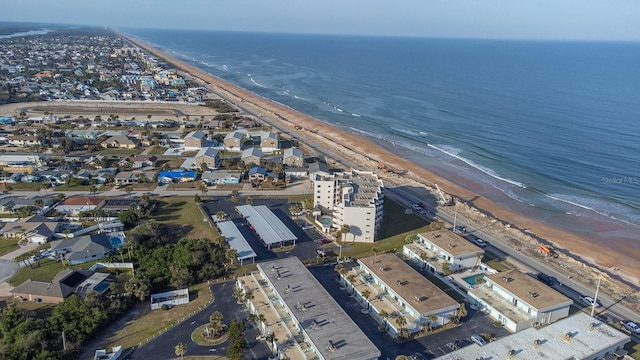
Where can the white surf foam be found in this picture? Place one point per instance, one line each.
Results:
(356, 115)
(487, 171)
(257, 83)
(600, 207)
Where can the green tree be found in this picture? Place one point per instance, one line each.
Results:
(401, 321)
(238, 342)
(138, 286)
(128, 190)
(446, 269)
(461, 312)
(239, 295)
(365, 294)
(181, 349)
(345, 229)
(216, 323)
(93, 190)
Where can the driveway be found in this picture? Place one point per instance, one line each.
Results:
(8, 267)
(163, 346)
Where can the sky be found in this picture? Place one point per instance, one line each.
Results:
(492, 19)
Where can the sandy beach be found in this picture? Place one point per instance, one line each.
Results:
(587, 259)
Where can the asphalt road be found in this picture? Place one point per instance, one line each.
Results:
(163, 346)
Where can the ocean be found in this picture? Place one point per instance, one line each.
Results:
(547, 129)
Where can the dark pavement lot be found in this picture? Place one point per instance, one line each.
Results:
(306, 245)
(163, 347)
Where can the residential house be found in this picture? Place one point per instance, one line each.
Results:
(251, 156)
(353, 198)
(74, 205)
(139, 161)
(293, 157)
(114, 206)
(220, 177)
(432, 250)
(121, 142)
(83, 249)
(257, 174)
(519, 301)
(36, 229)
(11, 204)
(63, 285)
(194, 140)
(319, 168)
(234, 140)
(269, 141)
(23, 140)
(176, 176)
(208, 156)
(397, 289)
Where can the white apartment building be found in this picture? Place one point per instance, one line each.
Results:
(433, 249)
(519, 301)
(351, 198)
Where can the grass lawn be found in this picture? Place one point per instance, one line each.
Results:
(158, 150)
(41, 310)
(499, 265)
(150, 323)
(396, 227)
(185, 212)
(8, 245)
(172, 162)
(634, 349)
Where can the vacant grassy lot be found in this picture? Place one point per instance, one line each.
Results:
(185, 212)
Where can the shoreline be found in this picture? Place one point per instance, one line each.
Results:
(369, 153)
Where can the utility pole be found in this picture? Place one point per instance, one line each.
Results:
(64, 341)
(595, 298)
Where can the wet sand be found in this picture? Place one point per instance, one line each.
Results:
(366, 153)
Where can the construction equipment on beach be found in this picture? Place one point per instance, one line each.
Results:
(547, 250)
(386, 169)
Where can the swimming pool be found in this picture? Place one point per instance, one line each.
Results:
(100, 288)
(326, 222)
(116, 242)
(474, 279)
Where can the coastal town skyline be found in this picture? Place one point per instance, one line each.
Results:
(495, 19)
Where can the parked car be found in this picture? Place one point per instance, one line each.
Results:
(549, 280)
(325, 241)
(478, 340)
(479, 242)
(631, 326)
(416, 207)
(460, 230)
(588, 300)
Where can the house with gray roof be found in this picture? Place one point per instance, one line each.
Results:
(208, 156)
(194, 139)
(83, 249)
(234, 140)
(251, 156)
(293, 157)
(63, 285)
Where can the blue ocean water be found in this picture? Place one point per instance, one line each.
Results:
(546, 128)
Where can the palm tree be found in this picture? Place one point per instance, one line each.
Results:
(238, 294)
(203, 189)
(129, 190)
(345, 229)
(249, 200)
(181, 349)
(479, 257)
(215, 322)
(446, 269)
(365, 294)
(375, 250)
(401, 321)
(351, 278)
(461, 312)
(248, 295)
(231, 255)
(93, 190)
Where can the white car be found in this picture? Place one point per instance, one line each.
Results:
(479, 242)
(478, 340)
(588, 300)
(631, 326)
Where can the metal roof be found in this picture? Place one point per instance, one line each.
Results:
(270, 229)
(236, 240)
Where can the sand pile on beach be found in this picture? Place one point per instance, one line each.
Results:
(478, 211)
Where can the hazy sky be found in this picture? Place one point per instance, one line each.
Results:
(511, 19)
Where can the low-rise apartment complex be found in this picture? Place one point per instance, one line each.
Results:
(519, 301)
(442, 249)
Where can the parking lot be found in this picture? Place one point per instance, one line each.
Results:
(306, 245)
